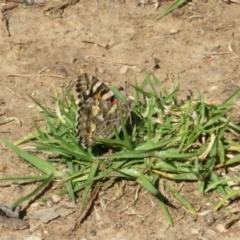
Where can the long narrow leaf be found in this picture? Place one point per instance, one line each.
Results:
(40, 188)
(39, 163)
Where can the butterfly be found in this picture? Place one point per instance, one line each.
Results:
(98, 110)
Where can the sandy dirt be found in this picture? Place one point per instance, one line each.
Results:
(117, 41)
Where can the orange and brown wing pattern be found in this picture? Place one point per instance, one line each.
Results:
(98, 110)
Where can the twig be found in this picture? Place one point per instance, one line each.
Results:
(234, 1)
(42, 70)
(5, 21)
(87, 207)
(29, 75)
(122, 63)
(8, 7)
(10, 90)
(231, 51)
(10, 120)
(215, 53)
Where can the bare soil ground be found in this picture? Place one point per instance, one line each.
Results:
(198, 44)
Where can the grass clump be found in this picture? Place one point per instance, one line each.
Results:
(189, 141)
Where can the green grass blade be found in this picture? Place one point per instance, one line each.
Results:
(218, 182)
(39, 163)
(27, 178)
(229, 196)
(40, 188)
(147, 185)
(181, 199)
(173, 6)
(90, 181)
(230, 99)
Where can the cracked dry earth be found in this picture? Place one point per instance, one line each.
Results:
(115, 41)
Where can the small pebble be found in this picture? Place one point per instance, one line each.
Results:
(18, 188)
(93, 232)
(123, 69)
(101, 70)
(49, 203)
(56, 198)
(63, 71)
(72, 60)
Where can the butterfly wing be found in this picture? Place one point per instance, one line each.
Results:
(98, 110)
